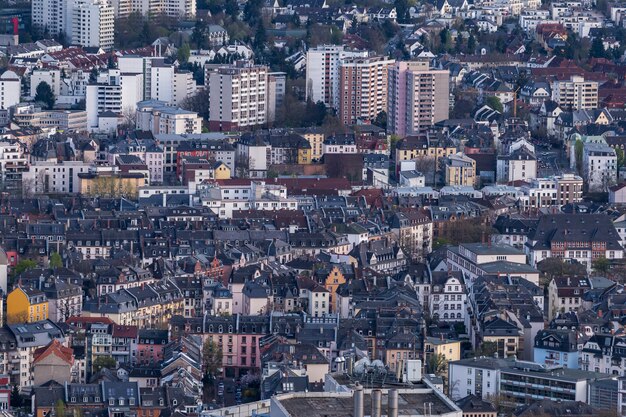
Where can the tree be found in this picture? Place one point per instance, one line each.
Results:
(199, 103)
(183, 53)
(59, 408)
(55, 260)
(601, 265)
(471, 44)
(211, 359)
(437, 364)
(16, 398)
(45, 95)
(619, 152)
(24, 265)
(578, 153)
(597, 48)
(103, 362)
(495, 103)
(556, 267)
(381, 120)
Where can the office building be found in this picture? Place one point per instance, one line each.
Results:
(418, 97)
(362, 88)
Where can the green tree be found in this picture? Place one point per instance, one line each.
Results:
(495, 103)
(619, 152)
(211, 359)
(44, 95)
(24, 265)
(381, 119)
(55, 260)
(601, 265)
(16, 399)
(471, 44)
(59, 408)
(437, 364)
(597, 48)
(103, 362)
(183, 53)
(578, 153)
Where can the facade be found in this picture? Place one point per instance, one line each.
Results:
(169, 85)
(557, 190)
(556, 348)
(160, 118)
(91, 23)
(238, 97)
(566, 295)
(323, 65)
(114, 91)
(10, 87)
(185, 9)
(519, 165)
(575, 93)
(418, 97)
(599, 166)
(53, 177)
(362, 88)
(26, 305)
(460, 170)
(447, 300)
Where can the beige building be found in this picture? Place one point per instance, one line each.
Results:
(53, 362)
(362, 88)
(111, 184)
(315, 137)
(460, 170)
(418, 97)
(159, 118)
(575, 93)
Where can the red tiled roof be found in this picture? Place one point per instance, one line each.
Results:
(54, 348)
(125, 331)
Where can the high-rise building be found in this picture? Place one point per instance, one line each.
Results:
(173, 8)
(10, 87)
(115, 92)
(575, 93)
(418, 97)
(276, 87)
(92, 23)
(170, 85)
(237, 96)
(50, 15)
(362, 88)
(322, 73)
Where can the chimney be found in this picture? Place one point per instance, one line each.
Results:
(358, 401)
(392, 403)
(377, 402)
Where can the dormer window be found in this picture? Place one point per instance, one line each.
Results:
(111, 401)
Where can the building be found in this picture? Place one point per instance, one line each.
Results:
(50, 76)
(50, 15)
(160, 118)
(10, 88)
(599, 166)
(362, 88)
(169, 84)
(447, 300)
(575, 93)
(91, 23)
(13, 163)
(418, 97)
(460, 170)
(26, 305)
(276, 88)
(114, 91)
(473, 406)
(237, 97)
(567, 236)
(53, 177)
(65, 120)
(53, 362)
(323, 65)
(556, 348)
(565, 294)
(557, 190)
(519, 165)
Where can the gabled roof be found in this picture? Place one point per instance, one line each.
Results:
(54, 348)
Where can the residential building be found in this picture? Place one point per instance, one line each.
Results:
(10, 88)
(65, 120)
(26, 305)
(53, 362)
(567, 236)
(13, 163)
(565, 294)
(160, 118)
(557, 190)
(575, 93)
(54, 177)
(447, 297)
(276, 88)
(418, 97)
(50, 15)
(340, 143)
(599, 166)
(557, 348)
(460, 170)
(91, 23)
(113, 91)
(169, 84)
(50, 76)
(362, 88)
(323, 65)
(519, 165)
(237, 96)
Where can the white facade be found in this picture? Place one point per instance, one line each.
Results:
(10, 86)
(169, 85)
(466, 380)
(53, 177)
(599, 166)
(50, 76)
(92, 23)
(319, 302)
(447, 300)
(159, 118)
(322, 73)
(49, 14)
(115, 92)
(575, 93)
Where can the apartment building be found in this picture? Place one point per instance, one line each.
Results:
(13, 162)
(276, 87)
(599, 166)
(159, 118)
(49, 14)
(185, 9)
(29, 115)
(418, 97)
(50, 76)
(237, 97)
(323, 65)
(170, 85)
(10, 86)
(575, 93)
(91, 23)
(552, 191)
(460, 170)
(114, 91)
(53, 177)
(362, 88)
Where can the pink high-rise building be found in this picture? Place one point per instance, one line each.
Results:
(418, 97)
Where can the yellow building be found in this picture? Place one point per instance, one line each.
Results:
(222, 172)
(332, 281)
(304, 156)
(315, 137)
(120, 184)
(460, 170)
(414, 147)
(26, 305)
(450, 350)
